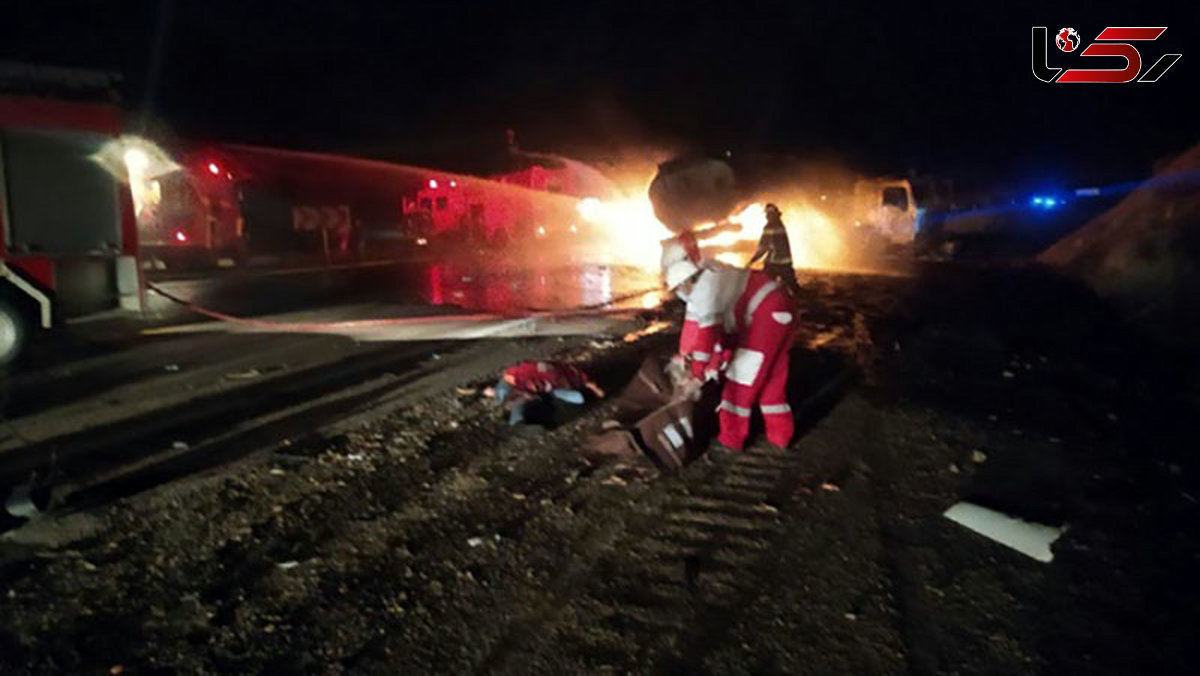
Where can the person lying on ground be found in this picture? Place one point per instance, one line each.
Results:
(523, 386)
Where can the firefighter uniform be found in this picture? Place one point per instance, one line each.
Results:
(748, 316)
(776, 251)
(686, 243)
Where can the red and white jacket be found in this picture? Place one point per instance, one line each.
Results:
(542, 376)
(720, 304)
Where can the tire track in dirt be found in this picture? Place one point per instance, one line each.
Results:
(675, 593)
(527, 629)
(665, 568)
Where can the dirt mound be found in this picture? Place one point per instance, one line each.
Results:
(1144, 253)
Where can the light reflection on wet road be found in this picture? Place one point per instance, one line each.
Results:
(411, 290)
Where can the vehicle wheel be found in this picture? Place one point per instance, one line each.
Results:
(13, 329)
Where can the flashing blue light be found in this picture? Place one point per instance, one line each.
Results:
(1045, 202)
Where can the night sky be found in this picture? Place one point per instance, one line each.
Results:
(943, 88)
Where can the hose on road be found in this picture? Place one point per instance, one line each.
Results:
(351, 324)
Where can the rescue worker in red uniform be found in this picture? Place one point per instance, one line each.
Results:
(532, 381)
(741, 321)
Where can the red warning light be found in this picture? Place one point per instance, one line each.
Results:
(180, 236)
(433, 184)
(214, 168)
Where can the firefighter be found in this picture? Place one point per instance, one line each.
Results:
(522, 387)
(777, 250)
(739, 324)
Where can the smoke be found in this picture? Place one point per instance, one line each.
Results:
(830, 211)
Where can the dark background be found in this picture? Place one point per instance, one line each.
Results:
(935, 88)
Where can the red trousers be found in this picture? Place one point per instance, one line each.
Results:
(758, 373)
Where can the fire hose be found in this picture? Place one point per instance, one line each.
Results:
(352, 324)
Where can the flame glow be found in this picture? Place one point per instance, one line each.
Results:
(815, 240)
(636, 235)
(632, 233)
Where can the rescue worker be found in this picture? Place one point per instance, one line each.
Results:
(690, 239)
(530, 382)
(686, 242)
(690, 244)
(746, 315)
(777, 250)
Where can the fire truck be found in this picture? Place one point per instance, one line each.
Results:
(535, 202)
(192, 215)
(234, 205)
(68, 235)
(268, 206)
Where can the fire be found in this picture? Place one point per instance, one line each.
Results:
(634, 235)
(731, 258)
(749, 223)
(815, 240)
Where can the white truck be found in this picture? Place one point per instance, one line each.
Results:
(885, 208)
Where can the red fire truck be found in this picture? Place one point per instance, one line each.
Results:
(193, 214)
(523, 206)
(68, 236)
(270, 206)
(266, 207)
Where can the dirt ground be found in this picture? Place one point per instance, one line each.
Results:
(436, 539)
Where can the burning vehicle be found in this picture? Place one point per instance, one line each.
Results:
(834, 220)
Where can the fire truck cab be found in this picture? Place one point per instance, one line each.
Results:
(192, 214)
(501, 209)
(68, 237)
(445, 206)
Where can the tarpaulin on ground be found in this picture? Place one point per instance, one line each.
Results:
(651, 421)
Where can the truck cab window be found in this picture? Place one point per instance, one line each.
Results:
(895, 197)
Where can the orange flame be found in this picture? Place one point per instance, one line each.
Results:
(634, 235)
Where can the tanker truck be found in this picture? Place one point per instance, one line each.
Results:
(870, 215)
